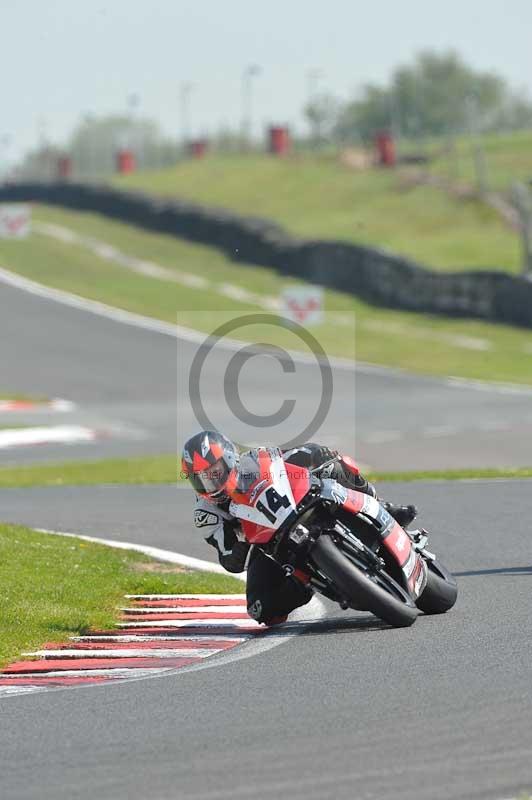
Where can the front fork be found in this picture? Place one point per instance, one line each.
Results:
(420, 540)
(358, 549)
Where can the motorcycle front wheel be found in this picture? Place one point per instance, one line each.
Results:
(441, 591)
(376, 592)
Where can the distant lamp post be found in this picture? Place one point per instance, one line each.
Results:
(248, 76)
(313, 79)
(5, 141)
(521, 198)
(184, 108)
(87, 153)
(394, 110)
(133, 104)
(42, 127)
(479, 155)
(43, 155)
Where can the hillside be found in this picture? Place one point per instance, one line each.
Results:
(320, 198)
(508, 159)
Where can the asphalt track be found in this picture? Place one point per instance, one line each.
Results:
(346, 709)
(135, 382)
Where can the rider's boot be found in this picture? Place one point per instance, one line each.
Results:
(404, 515)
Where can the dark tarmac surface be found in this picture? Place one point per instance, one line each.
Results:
(348, 708)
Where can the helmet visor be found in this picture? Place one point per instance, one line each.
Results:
(212, 479)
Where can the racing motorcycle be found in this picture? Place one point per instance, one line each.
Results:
(342, 543)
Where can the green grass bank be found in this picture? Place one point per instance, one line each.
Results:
(54, 587)
(319, 197)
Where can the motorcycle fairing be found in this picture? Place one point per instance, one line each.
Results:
(396, 541)
(267, 494)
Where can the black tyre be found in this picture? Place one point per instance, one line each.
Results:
(379, 593)
(441, 591)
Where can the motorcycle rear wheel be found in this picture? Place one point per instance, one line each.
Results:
(381, 594)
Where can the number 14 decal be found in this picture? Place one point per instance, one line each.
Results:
(275, 502)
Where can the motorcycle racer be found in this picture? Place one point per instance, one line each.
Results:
(210, 462)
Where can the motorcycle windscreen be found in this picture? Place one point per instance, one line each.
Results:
(263, 499)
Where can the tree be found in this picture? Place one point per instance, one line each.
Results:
(436, 95)
(39, 164)
(321, 113)
(95, 141)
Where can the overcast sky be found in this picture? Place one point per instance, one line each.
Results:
(63, 58)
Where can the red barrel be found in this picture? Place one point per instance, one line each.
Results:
(125, 161)
(64, 168)
(385, 149)
(197, 148)
(279, 140)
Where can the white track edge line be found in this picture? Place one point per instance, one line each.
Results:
(246, 624)
(186, 597)
(126, 652)
(162, 637)
(154, 552)
(185, 610)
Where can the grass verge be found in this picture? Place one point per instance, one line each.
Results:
(453, 474)
(164, 469)
(22, 398)
(149, 469)
(416, 342)
(14, 427)
(54, 587)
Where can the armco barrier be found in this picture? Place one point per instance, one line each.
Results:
(372, 274)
